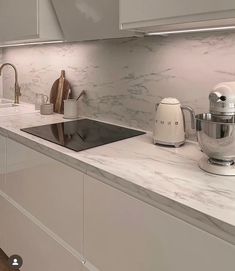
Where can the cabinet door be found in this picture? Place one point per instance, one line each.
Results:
(2, 160)
(2, 182)
(123, 233)
(2, 228)
(38, 250)
(89, 19)
(18, 19)
(152, 12)
(51, 192)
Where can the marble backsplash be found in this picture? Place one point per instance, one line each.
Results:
(125, 78)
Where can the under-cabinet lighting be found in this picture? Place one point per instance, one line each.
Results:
(191, 30)
(31, 43)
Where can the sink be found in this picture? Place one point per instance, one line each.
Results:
(6, 103)
(8, 108)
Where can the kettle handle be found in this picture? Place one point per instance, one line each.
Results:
(156, 106)
(192, 114)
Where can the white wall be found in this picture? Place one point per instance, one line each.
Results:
(124, 78)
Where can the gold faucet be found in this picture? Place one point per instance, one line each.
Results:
(17, 87)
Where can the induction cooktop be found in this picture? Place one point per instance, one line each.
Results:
(82, 134)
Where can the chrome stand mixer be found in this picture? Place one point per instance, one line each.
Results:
(216, 131)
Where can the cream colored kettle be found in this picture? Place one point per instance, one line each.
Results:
(169, 128)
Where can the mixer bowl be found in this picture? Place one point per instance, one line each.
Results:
(216, 136)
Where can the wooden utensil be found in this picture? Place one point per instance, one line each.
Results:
(80, 95)
(60, 91)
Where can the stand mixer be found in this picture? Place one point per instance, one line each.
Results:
(216, 131)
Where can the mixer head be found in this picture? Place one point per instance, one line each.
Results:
(222, 99)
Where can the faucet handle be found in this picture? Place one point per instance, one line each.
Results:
(17, 93)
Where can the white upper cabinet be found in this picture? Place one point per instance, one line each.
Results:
(28, 21)
(89, 19)
(161, 15)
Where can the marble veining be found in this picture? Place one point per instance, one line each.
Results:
(167, 178)
(124, 78)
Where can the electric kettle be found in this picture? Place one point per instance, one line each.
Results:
(169, 126)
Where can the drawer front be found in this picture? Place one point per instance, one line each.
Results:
(123, 233)
(38, 250)
(2, 161)
(49, 190)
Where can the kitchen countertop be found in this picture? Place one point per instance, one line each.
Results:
(166, 178)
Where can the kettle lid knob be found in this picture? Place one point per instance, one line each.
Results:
(170, 101)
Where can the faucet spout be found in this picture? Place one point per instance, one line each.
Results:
(17, 86)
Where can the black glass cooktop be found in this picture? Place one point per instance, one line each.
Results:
(82, 134)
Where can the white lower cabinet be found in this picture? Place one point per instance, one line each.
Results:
(38, 250)
(2, 160)
(123, 233)
(45, 209)
(49, 190)
(53, 216)
(2, 228)
(2, 182)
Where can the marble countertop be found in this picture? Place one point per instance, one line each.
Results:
(166, 178)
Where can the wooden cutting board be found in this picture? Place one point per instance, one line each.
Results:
(60, 91)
